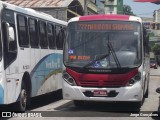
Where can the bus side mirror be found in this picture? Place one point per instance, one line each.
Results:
(145, 37)
(10, 36)
(146, 40)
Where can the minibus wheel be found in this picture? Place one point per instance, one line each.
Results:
(22, 103)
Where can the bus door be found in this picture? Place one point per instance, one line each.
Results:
(10, 54)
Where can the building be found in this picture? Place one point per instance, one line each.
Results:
(60, 9)
(89, 6)
(100, 6)
(156, 16)
(113, 6)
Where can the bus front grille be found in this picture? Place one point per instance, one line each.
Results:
(99, 83)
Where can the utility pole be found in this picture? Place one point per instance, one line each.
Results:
(86, 2)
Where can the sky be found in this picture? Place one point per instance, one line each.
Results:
(142, 9)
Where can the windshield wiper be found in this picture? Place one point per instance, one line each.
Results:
(110, 50)
(114, 54)
(97, 59)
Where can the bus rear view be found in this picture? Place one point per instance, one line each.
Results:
(106, 59)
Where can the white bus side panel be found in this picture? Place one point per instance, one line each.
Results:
(14, 75)
(13, 82)
(46, 73)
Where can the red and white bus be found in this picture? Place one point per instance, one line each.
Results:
(106, 58)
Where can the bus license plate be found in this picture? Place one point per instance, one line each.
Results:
(100, 93)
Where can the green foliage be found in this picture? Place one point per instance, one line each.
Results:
(127, 10)
(151, 34)
(156, 49)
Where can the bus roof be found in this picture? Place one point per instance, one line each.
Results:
(31, 12)
(106, 17)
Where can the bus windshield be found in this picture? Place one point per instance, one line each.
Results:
(103, 44)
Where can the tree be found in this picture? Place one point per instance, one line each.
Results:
(156, 49)
(127, 10)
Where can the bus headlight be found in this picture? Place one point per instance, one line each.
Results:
(68, 79)
(133, 80)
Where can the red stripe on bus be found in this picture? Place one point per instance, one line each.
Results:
(104, 17)
(101, 80)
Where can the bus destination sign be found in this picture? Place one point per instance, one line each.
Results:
(92, 26)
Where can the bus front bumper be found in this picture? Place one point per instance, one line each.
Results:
(130, 93)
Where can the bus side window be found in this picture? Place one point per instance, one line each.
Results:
(60, 36)
(63, 36)
(22, 31)
(64, 33)
(51, 36)
(34, 41)
(9, 35)
(43, 35)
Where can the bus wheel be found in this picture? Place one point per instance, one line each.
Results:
(22, 103)
(78, 103)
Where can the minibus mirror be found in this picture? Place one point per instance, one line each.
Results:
(145, 37)
(10, 36)
(146, 40)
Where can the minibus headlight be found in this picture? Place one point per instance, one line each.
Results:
(137, 77)
(133, 80)
(68, 79)
(66, 76)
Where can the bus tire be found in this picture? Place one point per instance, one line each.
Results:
(22, 103)
(78, 103)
